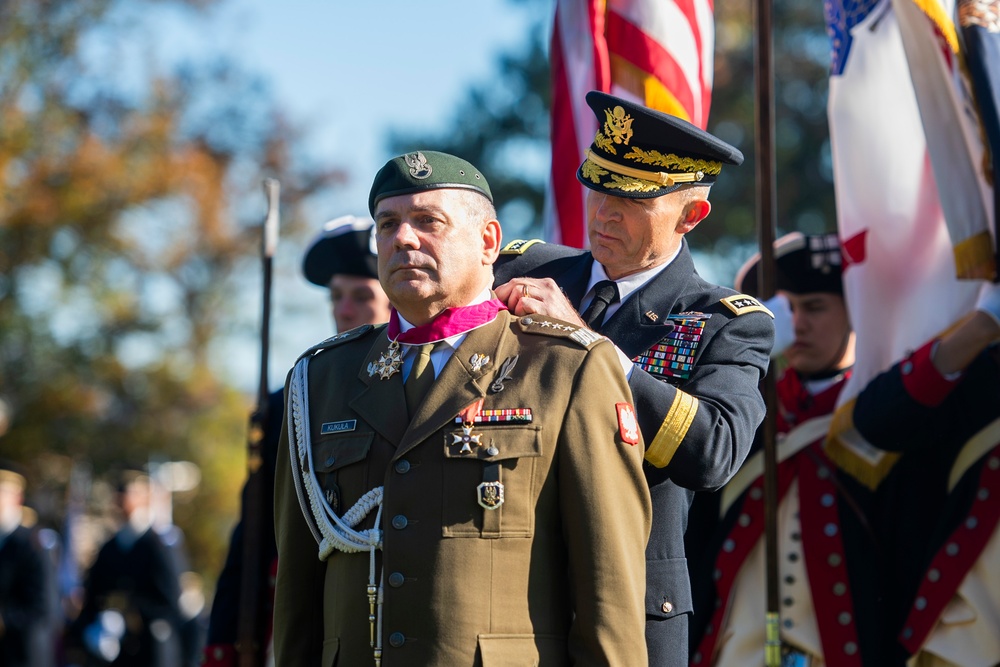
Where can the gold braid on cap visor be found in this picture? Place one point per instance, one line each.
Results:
(659, 177)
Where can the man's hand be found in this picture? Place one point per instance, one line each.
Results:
(989, 301)
(537, 296)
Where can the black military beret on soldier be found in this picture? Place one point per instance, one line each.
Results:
(344, 245)
(640, 153)
(803, 264)
(425, 170)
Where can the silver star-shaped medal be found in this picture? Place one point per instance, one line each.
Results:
(389, 362)
(466, 438)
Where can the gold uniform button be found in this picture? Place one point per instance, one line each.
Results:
(667, 607)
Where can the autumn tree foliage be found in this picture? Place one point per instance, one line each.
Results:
(129, 214)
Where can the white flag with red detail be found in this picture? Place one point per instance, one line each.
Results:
(899, 266)
(656, 52)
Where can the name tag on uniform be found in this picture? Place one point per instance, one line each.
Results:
(338, 427)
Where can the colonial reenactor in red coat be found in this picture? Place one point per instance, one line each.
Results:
(827, 565)
(940, 408)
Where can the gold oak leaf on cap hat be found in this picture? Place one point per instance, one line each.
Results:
(640, 153)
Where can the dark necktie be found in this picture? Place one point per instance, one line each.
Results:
(420, 379)
(605, 294)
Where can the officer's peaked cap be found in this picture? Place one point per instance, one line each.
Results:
(641, 153)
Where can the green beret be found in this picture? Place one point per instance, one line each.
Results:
(425, 170)
(640, 153)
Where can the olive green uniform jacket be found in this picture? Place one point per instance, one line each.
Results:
(554, 576)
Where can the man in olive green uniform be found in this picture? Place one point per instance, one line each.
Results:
(470, 481)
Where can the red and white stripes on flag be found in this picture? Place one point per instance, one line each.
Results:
(899, 266)
(659, 53)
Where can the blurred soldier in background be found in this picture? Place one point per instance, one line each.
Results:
(828, 565)
(940, 408)
(131, 615)
(25, 623)
(342, 259)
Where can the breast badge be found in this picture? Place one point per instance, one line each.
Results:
(490, 495)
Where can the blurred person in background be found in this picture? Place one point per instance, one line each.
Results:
(131, 614)
(340, 258)
(26, 631)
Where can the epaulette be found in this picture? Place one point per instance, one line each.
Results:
(741, 304)
(339, 339)
(536, 324)
(518, 246)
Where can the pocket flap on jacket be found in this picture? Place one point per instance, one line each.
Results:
(493, 443)
(335, 452)
(522, 650)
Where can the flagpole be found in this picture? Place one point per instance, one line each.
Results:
(766, 198)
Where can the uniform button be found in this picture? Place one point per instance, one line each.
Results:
(789, 580)
(971, 522)
(844, 618)
(850, 648)
(667, 607)
(793, 557)
(492, 451)
(907, 368)
(830, 529)
(396, 579)
(526, 320)
(796, 536)
(709, 629)
(920, 603)
(993, 462)
(826, 500)
(330, 461)
(951, 549)
(399, 522)
(219, 653)
(402, 466)
(823, 472)
(756, 493)
(696, 658)
(983, 494)
(788, 623)
(907, 633)
(717, 574)
(788, 602)
(396, 639)
(839, 588)
(744, 520)
(833, 560)
(933, 575)
(728, 545)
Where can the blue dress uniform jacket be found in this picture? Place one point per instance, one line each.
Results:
(697, 415)
(553, 576)
(941, 506)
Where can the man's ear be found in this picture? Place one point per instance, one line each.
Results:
(694, 212)
(492, 237)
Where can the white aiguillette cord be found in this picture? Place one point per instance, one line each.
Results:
(339, 534)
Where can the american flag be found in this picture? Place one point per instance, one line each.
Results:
(656, 52)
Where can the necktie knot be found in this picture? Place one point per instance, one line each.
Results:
(605, 293)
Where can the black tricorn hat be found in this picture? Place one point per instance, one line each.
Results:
(640, 153)
(803, 264)
(425, 170)
(344, 245)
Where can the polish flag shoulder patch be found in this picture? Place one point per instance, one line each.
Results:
(628, 427)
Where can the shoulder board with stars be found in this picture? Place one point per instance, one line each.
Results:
(339, 339)
(673, 356)
(540, 325)
(741, 304)
(518, 246)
